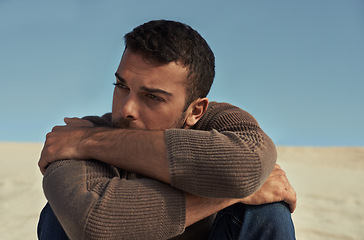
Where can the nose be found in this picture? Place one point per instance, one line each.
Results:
(129, 108)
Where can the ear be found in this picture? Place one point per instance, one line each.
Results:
(195, 111)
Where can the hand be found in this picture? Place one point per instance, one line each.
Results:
(63, 142)
(277, 188)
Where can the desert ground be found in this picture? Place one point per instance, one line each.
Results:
(328, 181)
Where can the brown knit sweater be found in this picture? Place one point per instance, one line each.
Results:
(225, 155)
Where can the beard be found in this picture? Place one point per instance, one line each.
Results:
(122, 123)
(181, 122)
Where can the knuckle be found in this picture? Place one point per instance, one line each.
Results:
(293, 199)
(50, 150)
(47, 151)
(55, 128)
(49, 135)
(283, 178)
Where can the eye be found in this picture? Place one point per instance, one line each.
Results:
(120, 85)
(154, 97)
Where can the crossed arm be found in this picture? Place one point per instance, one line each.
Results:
(76, 141)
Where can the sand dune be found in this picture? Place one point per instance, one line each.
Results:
(21, 195)
(328, 182)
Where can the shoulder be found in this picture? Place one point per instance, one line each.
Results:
(222, 114)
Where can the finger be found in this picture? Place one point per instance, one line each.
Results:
(291, 190)
(291, 203)
(42, 166)
(68, 120)
(43, 162)
(54, 129)
(292, 206)
(291, 198)
(77, 122)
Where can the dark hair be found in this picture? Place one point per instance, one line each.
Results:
(165, 41)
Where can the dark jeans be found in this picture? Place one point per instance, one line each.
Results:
(264, 222)
(48, 226)
(238, 222)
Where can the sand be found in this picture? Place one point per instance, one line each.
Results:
(328, 182)
(21, 195)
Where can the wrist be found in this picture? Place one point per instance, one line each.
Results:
(103, 144)
(89, 143)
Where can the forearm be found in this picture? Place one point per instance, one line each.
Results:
(92, 202)
(198, 208)
(139, 151)
(194, 158)
(89, 197)
(191, 160)
(218, 164)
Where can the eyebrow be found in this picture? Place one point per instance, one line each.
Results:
(119, 78)
(150, 90)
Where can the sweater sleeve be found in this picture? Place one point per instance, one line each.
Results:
(226, 155)
(91, 201)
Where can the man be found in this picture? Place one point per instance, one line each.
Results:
(167, 160)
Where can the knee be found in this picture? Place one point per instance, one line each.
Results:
(274, 219)
(273, 213)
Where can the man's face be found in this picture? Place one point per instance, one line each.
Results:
(148, 95)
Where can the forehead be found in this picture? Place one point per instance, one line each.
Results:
(134, 68)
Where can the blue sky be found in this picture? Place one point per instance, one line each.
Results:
(296, 66)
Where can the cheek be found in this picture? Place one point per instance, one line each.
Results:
(161, 120)
(151, 119)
